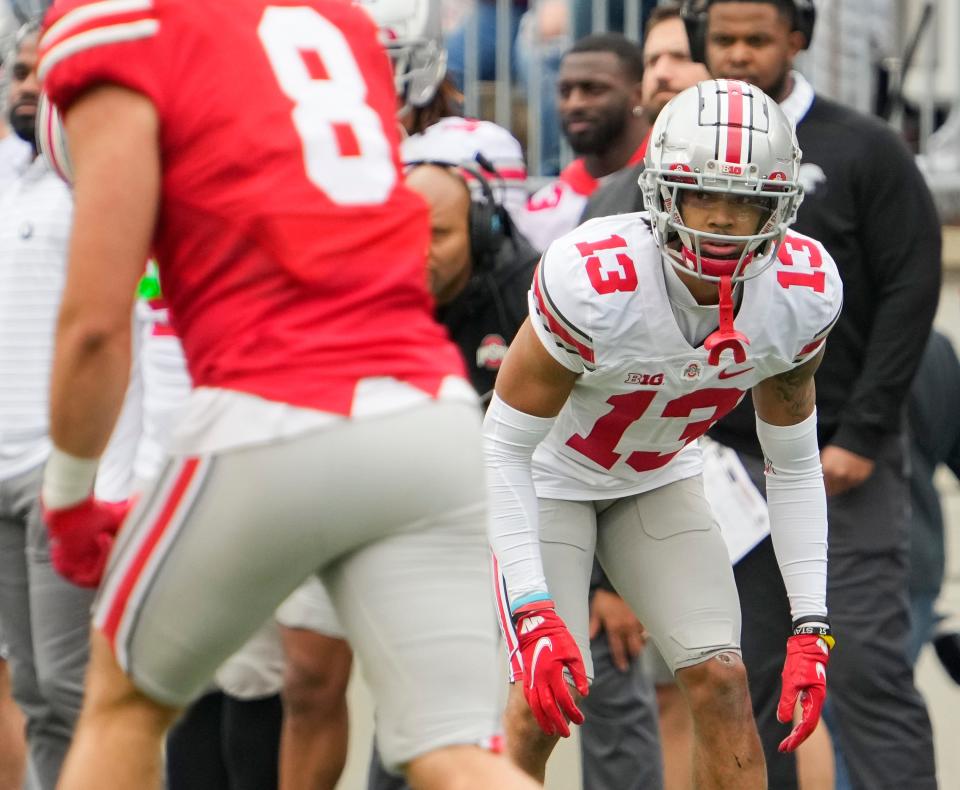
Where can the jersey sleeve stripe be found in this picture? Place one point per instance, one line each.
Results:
(81, 16)
(565, 338)
(814, 345)
(112, 34)
(808, 349)
(826, 330)
(555, 311)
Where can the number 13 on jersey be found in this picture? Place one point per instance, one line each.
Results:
(346, 154)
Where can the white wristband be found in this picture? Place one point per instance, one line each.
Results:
(67, 479)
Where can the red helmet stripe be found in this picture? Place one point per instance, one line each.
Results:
(734, 121)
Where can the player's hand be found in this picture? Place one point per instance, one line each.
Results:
(843, 470)
(804, 679)
(625, 634)
(547, 649)
(81, 537)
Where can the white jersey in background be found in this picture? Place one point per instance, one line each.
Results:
(163, 369)
(35, 215)
(556, 208)
(457, 140)
(600, 305)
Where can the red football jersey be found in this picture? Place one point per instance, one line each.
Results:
(291, 253)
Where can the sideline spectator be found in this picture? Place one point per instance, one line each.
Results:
(601, 113)
(15, 157)
(934, 440)
(869, 206)
(45, 619)
(667, 70)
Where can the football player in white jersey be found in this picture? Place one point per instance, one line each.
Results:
(644, 329)
(431, 106)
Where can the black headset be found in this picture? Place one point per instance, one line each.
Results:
(486, 223)
(694, 15)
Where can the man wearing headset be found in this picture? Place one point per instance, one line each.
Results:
(869, 206)
(479, 266)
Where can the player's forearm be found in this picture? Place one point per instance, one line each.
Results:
(510, 438)
(797, 504)
(90, 372)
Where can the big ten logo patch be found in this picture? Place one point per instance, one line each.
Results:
(645, 379)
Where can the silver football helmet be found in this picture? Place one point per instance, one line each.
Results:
(721, 136)
(411, 33)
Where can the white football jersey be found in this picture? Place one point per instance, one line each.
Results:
(556, 208)
(459, 140)
(599, 304)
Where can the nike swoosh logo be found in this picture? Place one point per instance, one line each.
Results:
(543, 643)
(725, 374)
(821, 671)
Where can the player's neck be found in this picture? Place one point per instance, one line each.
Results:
(786, 88)
(704, 292)
(617, 155)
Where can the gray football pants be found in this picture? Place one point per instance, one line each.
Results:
(619, 741)
(46, 624)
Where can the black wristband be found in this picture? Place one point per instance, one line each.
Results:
(816, 626)
(812, 618)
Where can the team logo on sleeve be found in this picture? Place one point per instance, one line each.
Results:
(491, 351)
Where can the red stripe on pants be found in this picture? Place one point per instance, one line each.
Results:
(119, 603)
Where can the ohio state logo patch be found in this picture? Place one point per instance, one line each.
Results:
(491, 351)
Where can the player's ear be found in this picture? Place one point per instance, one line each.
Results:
(796, 41)
(636, 96)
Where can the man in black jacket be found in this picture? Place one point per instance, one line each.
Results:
(479, 266)
(868, 204)
(934, 440)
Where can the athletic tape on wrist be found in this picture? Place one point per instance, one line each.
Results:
(67, 479)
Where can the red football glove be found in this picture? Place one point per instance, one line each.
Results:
(546, 649)
(804, 677)
(81, 537)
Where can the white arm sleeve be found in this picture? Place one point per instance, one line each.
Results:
(798, 512)
(510, 437)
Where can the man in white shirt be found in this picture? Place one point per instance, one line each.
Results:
(44, 618)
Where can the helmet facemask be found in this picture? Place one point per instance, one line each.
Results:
(411, 33)
(419, 67)
(682, 246)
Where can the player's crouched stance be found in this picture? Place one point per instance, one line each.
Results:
(644, 330)
(330, 430)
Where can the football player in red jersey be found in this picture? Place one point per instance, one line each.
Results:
(644, 329)
(330, 430)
